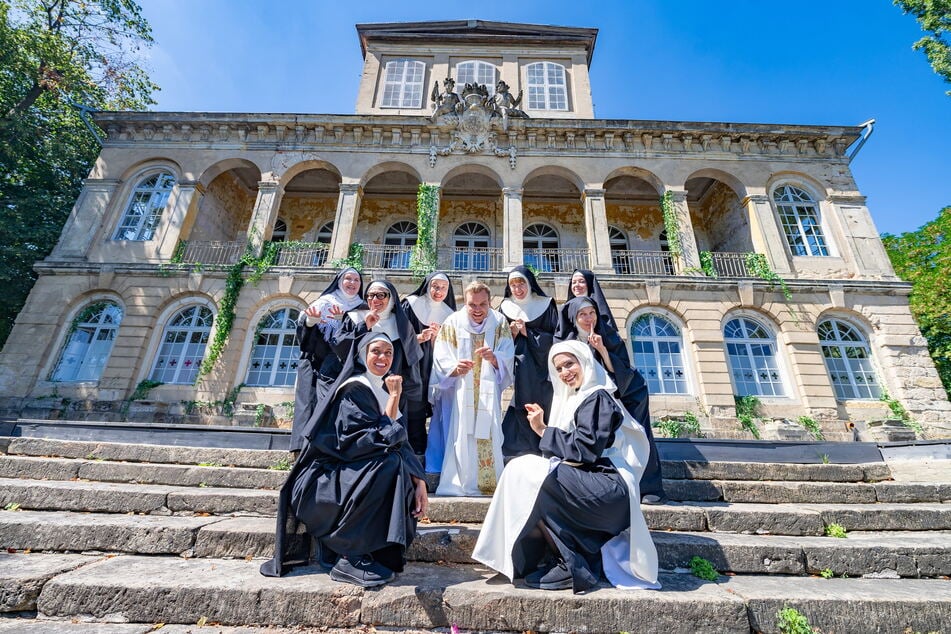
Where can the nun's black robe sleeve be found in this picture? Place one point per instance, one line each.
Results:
(317, 367)
(582, 506)
(531, 383)
(355, 491)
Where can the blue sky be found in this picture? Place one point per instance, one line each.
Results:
(837, 62)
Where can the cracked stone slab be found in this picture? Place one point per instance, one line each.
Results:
(697, 470)
(847, 605)
(778, 492)
(886, 516)
(102, 497)
(22, 577)
(221, 501)
(904, 554)
(776, 519)
(38, 468)
(735, 553)
(77, 532)
(174, 590)
(253, 458)
(182, 475)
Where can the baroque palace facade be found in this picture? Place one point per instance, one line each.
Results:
(682, 221)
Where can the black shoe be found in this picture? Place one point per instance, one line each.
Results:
(362, 571)
(432, 482)
(652, 499)
(555, 578)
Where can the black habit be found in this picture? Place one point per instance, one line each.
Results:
(631, 387)
(582, 506)
(595, 293)
(420, 409)
(531, 382)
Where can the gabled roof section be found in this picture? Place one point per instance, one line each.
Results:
(476, 31)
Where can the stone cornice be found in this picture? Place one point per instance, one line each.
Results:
(415, 134)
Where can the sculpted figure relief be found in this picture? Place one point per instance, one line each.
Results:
(507, 105)
(446, 102)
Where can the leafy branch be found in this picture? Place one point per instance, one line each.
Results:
(424, 259)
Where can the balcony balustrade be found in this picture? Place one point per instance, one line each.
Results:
(301, 254)
(385, 256)
(628, 262)
(211, 252)
(556, 260)
(730, 264)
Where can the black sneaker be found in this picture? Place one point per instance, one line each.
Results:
(362, 571)
(557, 577)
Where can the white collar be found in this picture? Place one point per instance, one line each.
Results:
(528, 309)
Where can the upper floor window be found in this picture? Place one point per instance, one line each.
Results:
(183, 345)
(751, 353)
(848, 360)
(400, 238)
(280, 231)
(547, 88)
(540, 244)
(274, 356)
(145, 207)
(87, 347)
(658, 354)
(403, 84)
(471, 247)
(476, 72)
(799, 215)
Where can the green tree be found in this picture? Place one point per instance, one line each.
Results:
(934, 16)
(53, 54)
(923, 257)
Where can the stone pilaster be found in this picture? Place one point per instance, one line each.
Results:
(177, 221)
(263, 216)
(512, 226)
(596, 231)
(767, 236)
(863, 249)
(348, 210)
(86, 218)
(689, 254)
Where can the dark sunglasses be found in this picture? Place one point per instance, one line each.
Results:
(378, 295)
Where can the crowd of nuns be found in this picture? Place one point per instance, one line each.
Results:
(579, 454)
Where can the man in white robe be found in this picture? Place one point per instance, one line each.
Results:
(473, 362)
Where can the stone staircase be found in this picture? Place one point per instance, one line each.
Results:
(111, 537)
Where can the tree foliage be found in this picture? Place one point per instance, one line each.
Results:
(934, 16)
(54, 53)
(923, 257)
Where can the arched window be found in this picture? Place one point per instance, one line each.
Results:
(658, 354)
(403, 84)
(476, 72)
(547, 88)
(799, 215)
(751, 352)
(144, 211)
(280, 231)
(183, 345)
(401, 238)
(87, 347)
(470, 244)
(274, 356)
(540, 244)
(618, 242)
(848, 360)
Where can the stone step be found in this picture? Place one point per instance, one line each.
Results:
(132, 589)
(893, 554)
(254, 466)
(68, 626)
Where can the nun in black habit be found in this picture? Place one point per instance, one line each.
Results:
(533, 319)
(561, 519)
(426, 308)
(582, 321)
(357, 486)
(319, 366)
(382, 312)
(585, 284)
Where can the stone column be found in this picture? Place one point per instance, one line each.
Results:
(596, 231)
(178, 220)
(263, 216)
(767, 236)
(348, 210)
(86, 218)
(689, 254)
(512, 226)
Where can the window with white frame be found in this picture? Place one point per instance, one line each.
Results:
(183, 345)
(476, 72)
(88, 344)
(540, 247)
(751, 353)
(403, 84)
(547, 87)
(470, 243)
(618, 242)
(400, 239)
(799, 215)
(848, 360)
(145, 208)
(324, 235)
(274, 356)
(658, 354)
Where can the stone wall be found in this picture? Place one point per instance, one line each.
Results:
(224, 211)
(306, 215)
